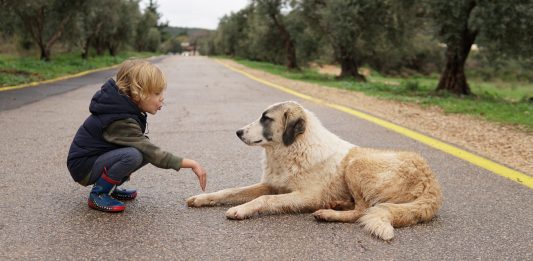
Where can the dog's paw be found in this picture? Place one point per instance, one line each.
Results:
(237, 213)
(191, 201)
(200, 201)
(324, 214)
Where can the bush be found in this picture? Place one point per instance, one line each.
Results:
(482, 66)
(411, 85)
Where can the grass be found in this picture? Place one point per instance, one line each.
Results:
(16, 70)
(502, 102)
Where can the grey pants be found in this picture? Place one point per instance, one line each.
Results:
(120, 163)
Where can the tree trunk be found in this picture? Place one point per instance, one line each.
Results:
(85, 50)
(100, 50)
(89, 40)
(45, 54)
(287, 39)
(112, 48)
(453, 79)
(112, 51)
(349, 67)
(291, 54)
(99, 47)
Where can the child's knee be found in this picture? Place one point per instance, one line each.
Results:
(134, 157)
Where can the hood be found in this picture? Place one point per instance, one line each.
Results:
(109, 100)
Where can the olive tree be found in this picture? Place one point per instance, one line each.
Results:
(500, 27)
(231, 37)
(270, 11)
(359, 29)
(44, 20)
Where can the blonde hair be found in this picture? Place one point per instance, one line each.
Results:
(138, 79)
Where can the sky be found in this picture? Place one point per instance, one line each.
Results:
(196, 13)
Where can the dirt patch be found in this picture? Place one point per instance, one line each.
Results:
(334, 69)
(509, 145)
(326, 68)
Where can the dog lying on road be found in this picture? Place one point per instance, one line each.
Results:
(307, 168)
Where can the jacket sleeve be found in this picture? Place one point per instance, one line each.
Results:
(128, 133)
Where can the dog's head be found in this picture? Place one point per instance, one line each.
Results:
(280, 123)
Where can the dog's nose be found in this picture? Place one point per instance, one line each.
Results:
(239, 133)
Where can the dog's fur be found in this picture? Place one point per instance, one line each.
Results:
(307, 168)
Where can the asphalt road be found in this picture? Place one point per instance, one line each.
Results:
(44, 214)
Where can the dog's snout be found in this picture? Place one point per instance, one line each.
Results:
(240, 133)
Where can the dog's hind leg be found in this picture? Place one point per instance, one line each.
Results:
(349, 216)
(381, 218)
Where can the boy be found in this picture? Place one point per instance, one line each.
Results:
(111, 143)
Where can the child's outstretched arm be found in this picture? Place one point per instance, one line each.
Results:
(128, 133)
(197, 169)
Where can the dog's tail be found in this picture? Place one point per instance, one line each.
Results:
(381, 218)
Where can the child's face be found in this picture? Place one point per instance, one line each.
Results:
(152, 103)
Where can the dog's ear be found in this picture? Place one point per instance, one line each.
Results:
(293, 128)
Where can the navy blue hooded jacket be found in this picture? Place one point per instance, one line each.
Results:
(107, 105)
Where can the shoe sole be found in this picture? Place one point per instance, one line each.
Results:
(113, 209)
(134, 195)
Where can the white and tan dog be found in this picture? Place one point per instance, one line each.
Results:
(307, 168)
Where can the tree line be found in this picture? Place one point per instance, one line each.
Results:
(387, 35)
(100, 25)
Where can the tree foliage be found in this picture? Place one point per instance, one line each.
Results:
(99, 25)
(44, 21)
(270, 13)
(357, 31)
(232, 37)
(105, 25)
(506, 28)
(150, 32)
(390, 36)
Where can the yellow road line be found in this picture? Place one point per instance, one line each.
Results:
(32, 84)
(482, 162)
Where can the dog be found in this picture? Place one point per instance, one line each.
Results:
(306, 168)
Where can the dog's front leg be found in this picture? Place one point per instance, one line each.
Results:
(230, 196)
(269, 204)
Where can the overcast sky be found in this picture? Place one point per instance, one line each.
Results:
(196, 13)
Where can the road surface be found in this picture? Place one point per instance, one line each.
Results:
(44, 214)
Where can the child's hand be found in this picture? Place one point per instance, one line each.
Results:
(197, 169)
(202, 176)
